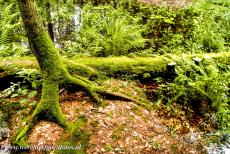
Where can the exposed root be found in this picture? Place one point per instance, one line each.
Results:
(49, 107)
(93, 91)
(95, 98)
(112, 95)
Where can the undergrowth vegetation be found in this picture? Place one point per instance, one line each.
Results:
(204, 86)
(104, 28)
(202, 26)
(12, 37)
(107, 31)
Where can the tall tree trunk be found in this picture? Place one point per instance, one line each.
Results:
(54, 73)
(52, 68)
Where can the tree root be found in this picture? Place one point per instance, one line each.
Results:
(22, 136)
(49, 107)
(93, 91)
(113, 95)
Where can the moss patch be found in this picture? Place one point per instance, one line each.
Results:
(78, 139)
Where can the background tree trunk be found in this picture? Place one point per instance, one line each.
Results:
(49, 19)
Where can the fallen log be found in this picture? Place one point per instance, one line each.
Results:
(117, 67)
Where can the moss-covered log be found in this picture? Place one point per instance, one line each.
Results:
(92, 67)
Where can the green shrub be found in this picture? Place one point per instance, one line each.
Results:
(202, 26)
(107, 31)
(212, 32)
(169, 29)
(198, 85)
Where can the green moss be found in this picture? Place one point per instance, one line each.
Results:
(112, 66)
(116, 136)
(137, 110)
(78, 139)
(49, 107)
(77, 69)
(22, 136)
(123, 66)
(48, 58)
(145, 103)
(79, 124)
(54, 73)
(18, 62)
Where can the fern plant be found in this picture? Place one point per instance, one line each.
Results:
(212, 29)
(195, 85)
(11, 33)
(108, 31)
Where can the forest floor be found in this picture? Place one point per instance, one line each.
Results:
(121, 127)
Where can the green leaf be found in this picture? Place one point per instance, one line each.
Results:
(33, 103)
(24, 91)
(32, 94)
(23, 101)
(14, 95)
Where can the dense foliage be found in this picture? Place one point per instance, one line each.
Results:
(202, 26)
(107, 31)
(103, 28)
(12, 36)
(202, 85)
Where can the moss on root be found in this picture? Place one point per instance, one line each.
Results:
(22, 136)
(123, 66)
(77, 140)
(49, 107)
(78, 69)
(54, 73)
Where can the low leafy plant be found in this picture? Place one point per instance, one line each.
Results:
(107, 31)
(200, 26)
(12, 37)
(168, 28)
(204, 87)
(211, 32)
(31, 76)
(10, 91)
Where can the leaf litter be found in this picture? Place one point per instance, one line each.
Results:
(118, 126)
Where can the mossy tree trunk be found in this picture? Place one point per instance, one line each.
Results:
(54, 72)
